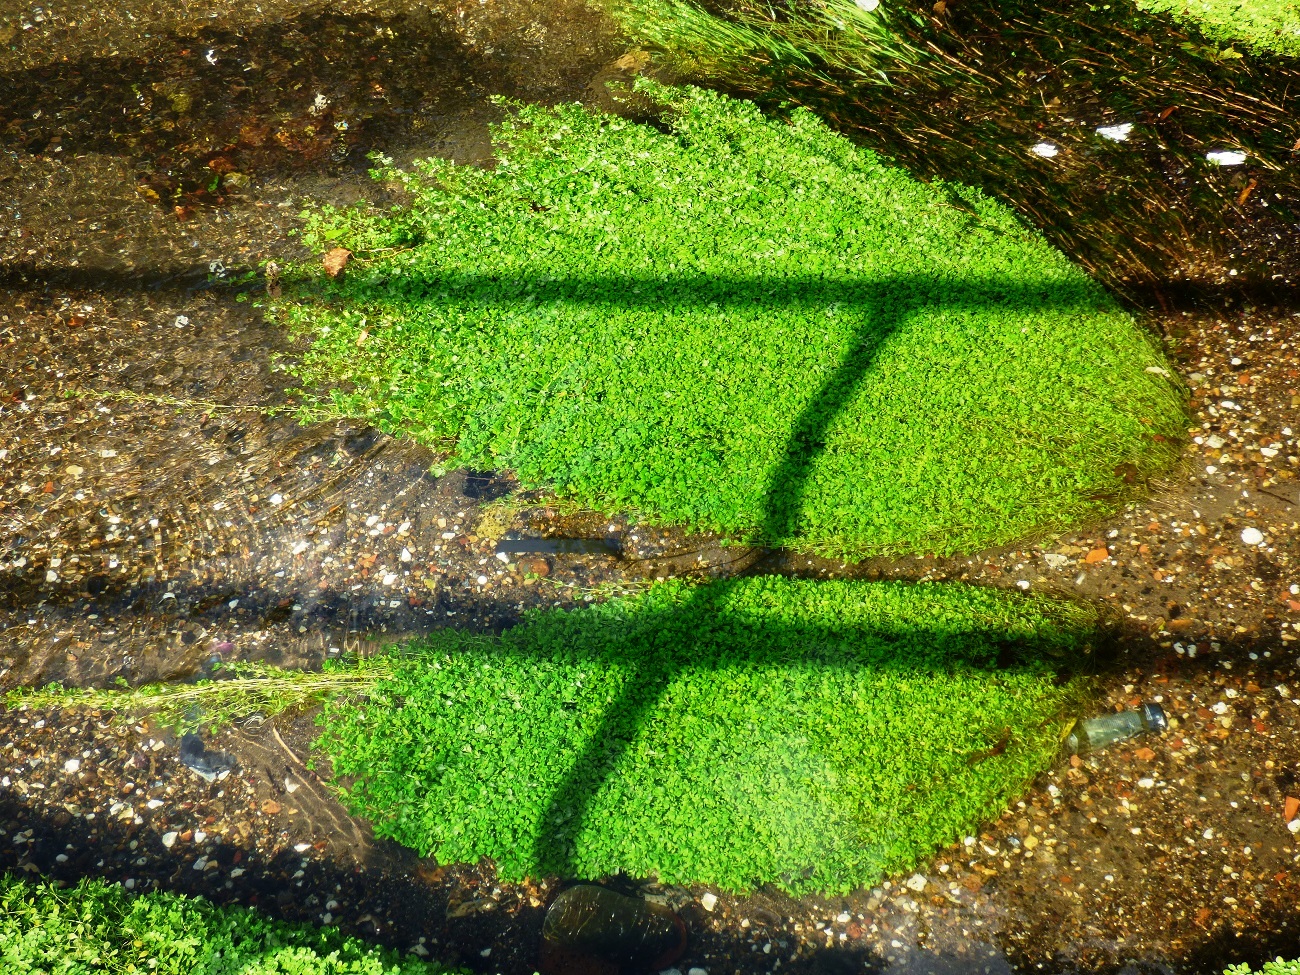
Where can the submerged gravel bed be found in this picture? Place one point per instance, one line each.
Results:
(154, 520)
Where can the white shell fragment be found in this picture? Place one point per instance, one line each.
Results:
(1044, 149)
(1116, 133)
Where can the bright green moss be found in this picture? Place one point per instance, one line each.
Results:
(746, 325)
(97, 927)
(1262, 25)
(816, 735)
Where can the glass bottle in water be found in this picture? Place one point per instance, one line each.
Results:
(1092, 734)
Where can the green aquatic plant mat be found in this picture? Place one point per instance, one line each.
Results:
(742, 324)
(815, 735)
(97, 927)
(1277, 966)
(1260, 25)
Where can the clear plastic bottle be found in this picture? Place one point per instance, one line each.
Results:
(589, 925)
(1092, 734)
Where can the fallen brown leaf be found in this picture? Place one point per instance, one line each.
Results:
(335, 260)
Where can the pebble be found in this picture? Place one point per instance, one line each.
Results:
(916, 882)
(72, 765)
(1252, 536)
(709, 901)
(169, 839)
(154, 804)
(301, 847)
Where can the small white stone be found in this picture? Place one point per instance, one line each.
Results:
(843, 918)
(1226, 157)
(1116, 133)
(201, 863)
(276, 498)
(406, 555)
(1044, 150)
(482, 580)
(154, 804)
(390, 578)
(705, 971)
(1294, 826)
(1252, 536)
(1146, 783)
(169, 839)
(200, 836)
(51, 575)
(916, 882)
(301, 847)
(237, 873)
(503, 557)
(709, 901)
(72, 765)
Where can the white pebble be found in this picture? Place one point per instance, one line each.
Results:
(1116, 133)
(276, 498)
(1146, 783)
(154, 804)
(406, 555)
(390, 578)
(1044, 150)
(916, 882)
(709, 901)
(1252, 536)
(169, 839)
(482, 580)
(72, 765)
(1226, 157)
(301, 847)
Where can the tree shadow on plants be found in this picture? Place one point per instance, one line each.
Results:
(880, 308)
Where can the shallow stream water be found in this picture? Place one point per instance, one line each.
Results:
(154, 519)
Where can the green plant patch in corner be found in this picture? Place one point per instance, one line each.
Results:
(814, 735)
(741, 324)
(1261, 25)
(98, 927)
